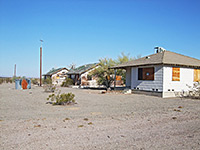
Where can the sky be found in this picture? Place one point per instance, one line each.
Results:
(84, 31)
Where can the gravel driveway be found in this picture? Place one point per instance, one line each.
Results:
(111, 121)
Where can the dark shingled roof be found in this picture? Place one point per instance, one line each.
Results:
(82, 69)
(53, 71)
(165, 58)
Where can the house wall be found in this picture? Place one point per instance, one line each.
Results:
(148, 85)
(128, 77)
(171, 88)
(59, 77)
(163, 80)
(91, 83)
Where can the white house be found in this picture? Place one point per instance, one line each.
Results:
(165, 73)
(57, 75)
(81, 77)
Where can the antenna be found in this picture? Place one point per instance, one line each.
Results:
(41, 42)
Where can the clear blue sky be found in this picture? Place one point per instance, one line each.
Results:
(83, 31)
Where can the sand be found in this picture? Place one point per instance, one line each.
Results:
(111, 121)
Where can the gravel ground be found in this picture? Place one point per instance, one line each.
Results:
(111, 121)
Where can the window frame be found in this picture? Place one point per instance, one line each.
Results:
(196, 75)
(142, 74)
(176, 73)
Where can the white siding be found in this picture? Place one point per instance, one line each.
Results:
(148, 85)
(59, 80)
(186, 78)
(92, 83)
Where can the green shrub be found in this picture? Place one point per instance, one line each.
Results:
(62, 99)
(47, 81)
(35, 81)
(49, 88)
(67, 82)
(195, 91)
(5, 80)
(15, 78)
(1, 80)
(8, 80)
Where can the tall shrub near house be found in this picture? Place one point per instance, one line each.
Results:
(67, 82)
(195, 91)
(105, 76)
(103, 73)
(47, 81)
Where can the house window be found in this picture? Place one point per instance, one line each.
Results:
(89, 77)
(196, 75)
(146, 73)
(175, 74)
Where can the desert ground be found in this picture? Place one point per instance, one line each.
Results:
(111, 121)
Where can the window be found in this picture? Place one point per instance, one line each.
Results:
(89, 77)
(57, 76)
(196, 75)
(140, 76)
(175, 74)
(146, 73)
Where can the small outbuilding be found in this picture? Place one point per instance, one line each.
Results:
(80, 75)
(57, 75)
(164, 73)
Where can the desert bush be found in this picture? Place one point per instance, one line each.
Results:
(1, 80)
(195, 90)
(47, 81)
(49, 88)
(15, 78)
(8, 80)
(5, 80)
(67, 82)
(35, 81)
(62, 99)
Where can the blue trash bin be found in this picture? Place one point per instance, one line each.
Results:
(29, 83)
(17, 84)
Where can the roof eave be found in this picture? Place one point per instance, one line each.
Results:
(183, 65)
(126, 66)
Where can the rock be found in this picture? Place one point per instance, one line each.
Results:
(127, 91)
(90, 123)
(102, 92)
(37, 125)
(53, 129)
(66, 119)
(86, 119)
(80, 126)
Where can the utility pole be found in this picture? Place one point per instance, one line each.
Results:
(15, 71)
(115, 79)
(41, 63)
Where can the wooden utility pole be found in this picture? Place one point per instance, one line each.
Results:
(41, 63)
(15, 71)
(115, 79)
(40, 66)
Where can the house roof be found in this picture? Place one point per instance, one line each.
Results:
(53, 71)
(82, 69)
(165, 58)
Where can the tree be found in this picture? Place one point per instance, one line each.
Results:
(122, 59)
(105, 75)
(48, 80)
(67, 82)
